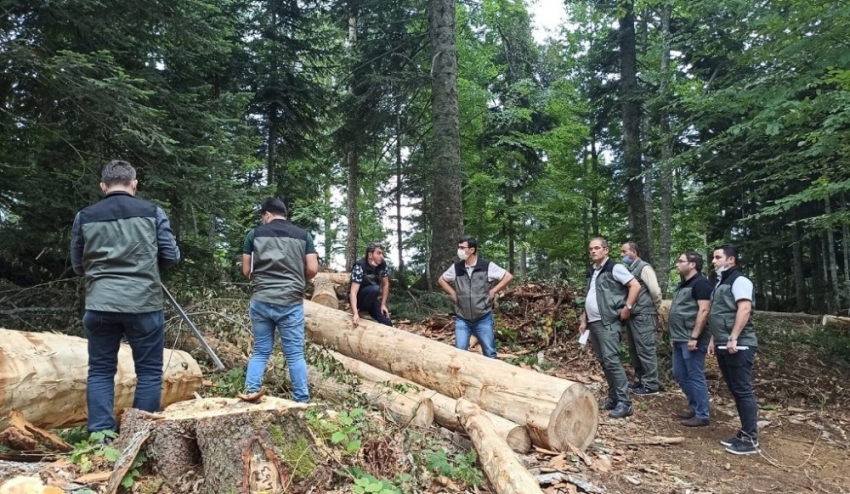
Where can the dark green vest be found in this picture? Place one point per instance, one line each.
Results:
(644, 304)
(683, 313)
(473, 291)
(610, 293)
(279, 255)
(723, 310)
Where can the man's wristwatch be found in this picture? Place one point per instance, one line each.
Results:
(630, 307)
(695, 338)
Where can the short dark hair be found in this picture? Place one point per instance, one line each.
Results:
(117, 172)
(470, 241)
(274, 206)
(695, 258)
(373, 246)
(730, 250)
(634, 248)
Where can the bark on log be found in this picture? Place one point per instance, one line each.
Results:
(505, 472)
(562, 411)
(444, 407)
(828, 320)
(324, 292)
(404, 409)
(44, 376)
(335, 278)
(240, 447)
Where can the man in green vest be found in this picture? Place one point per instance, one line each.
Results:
(689, 337)
(641, 326)
(280, 259)
(611, 295)
(734, 336)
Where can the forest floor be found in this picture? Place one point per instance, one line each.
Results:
(801, 382)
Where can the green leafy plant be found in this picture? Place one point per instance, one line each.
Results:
(230, 383)
(458, 466)
(367, 483)
(88, 450)
(345, 430)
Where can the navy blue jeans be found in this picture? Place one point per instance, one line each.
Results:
(146, 335)
(689, 372)
(369, 298)
(482, 329)
(737, 370)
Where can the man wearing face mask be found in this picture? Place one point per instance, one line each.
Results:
(120, 244)
(370, 286)
(279, 258)
(473, 295)
(640, 329)
(734, 337)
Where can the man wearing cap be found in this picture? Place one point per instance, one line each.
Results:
(280, 259)
(370, 286)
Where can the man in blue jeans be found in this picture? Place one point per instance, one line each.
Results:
(473, 295)
(119, 244)
(690, 341)
(280, 259)
(734, 335)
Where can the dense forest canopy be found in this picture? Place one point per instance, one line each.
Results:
(679, 125)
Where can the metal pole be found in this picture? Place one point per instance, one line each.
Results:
(191, 325)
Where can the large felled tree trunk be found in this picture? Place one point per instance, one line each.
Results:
(447, 204)
(444, 407)
(237, 447)
(556, 411)
(44, 376)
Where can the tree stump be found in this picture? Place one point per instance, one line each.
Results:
(238, 447)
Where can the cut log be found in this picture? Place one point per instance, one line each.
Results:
(505, 472)
(335, 278)
(404, 409)
(444, 407)
(241, 447)
(324, 292)
(835, 321)
(562, 411)
(44, 376)
(664, 312)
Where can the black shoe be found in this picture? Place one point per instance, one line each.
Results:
(644, 391)
(609, 404)
(731, 440)
(686, 415)
(635, 385)
(695, 422)
(621, 411)
(744, 446)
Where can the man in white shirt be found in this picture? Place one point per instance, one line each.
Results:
(473, 295)
(611, 295)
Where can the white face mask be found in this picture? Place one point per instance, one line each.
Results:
(721, 269)
(461, 254)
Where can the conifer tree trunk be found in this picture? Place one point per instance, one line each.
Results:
(446, 208)
(799, 274)
(665, 241)
(353, 189)
(832, 264)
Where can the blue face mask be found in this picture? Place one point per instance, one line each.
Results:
(627, 260)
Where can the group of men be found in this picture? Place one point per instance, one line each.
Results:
(703, 320)
(121, 243)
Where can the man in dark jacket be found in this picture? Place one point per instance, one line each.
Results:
(120, 244)
(473, 295)
(370, 286)
(734, 336)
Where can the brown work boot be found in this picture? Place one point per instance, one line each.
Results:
(686, 415)
(252, 397)
(695, 422)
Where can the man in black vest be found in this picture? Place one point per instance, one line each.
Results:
(640, 329)
(370, 286)
(120, 244)
(690, 338)
(611, 295)
(732, 331)
(473, 296)
(279, 258)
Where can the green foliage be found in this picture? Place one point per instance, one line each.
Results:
(457, 466)
(364, 483)
(95, 447)
(230, 383)
(344, 431)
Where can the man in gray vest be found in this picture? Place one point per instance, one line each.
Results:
(611, 295)
(120, 244)
(473, 295)
(280, 259)
(690, 338)
(734, 336)
(641, 326)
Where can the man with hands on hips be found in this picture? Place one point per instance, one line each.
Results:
(611, 294)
